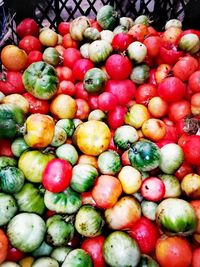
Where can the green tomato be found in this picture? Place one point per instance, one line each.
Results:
(78, 258)
(8, 208)
(94, 80)
(67, 152)
(19, 146)
(109, 162)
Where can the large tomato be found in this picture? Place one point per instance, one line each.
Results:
(121, 41)
(179, 110)
(26, 27)
(80, 68)
(191, 149)
(185, 67)
(70, 56)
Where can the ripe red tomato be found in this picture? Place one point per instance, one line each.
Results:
(185, 67)
(169, 55)
(66, 87)
(63, 28)
(171, 89)
(3, 246)
(30, 43)
(153, 189)
(153, 44)
(5, 148)
(121, 41)
(80, 68)
(107, 101)
(194, 82)
(118, 67)
(13, 83)
(183, 170)
(146, 233)
(37, 105)
(152, 77)
(116, 117)
(27, 27)
(64, 73)
(83, 109)
(145, 92)
(67, 41)
(179, 110)
(80, 91)
(94, 247)
(57, 175)
(14, 254)
(196, 258)
(70, 56)
(34, 56)
(93, 101)
(191, 149)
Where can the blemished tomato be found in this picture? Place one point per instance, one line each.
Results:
(179, 110)
(154, 129)
(176, 249)
(14, 254)
(5, 148)
(145, 92)
(34, 56)
(146, 234)
(116, 117)
(83, 109)
(94, 247)
(37, 105)
(153, 44)
(30, 43)
(63, 28)
(80, 91)
(107, 101)
(3, 246)
(88, 199)
(194, 82)
(171, 35)
(195, 104)
(191, 149)
(118, 67)
(66, 87)
(57, 175)
(171, 89)
(162, 72)
(153, 189)
(68, 42)
(80, 68)
(70, 56)
(106, 191)
(121, 41)
(196, 258)
(157, 107)
(183, 170)
(139, 32)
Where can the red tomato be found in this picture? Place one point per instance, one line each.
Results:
(3, 246)
(139, 32)
(185, 67)
(191, 149)
(179, 110)
(80, 68)
(145, 232)
(66, 87)
(107, 101)
(87, 198)
(169, 54)
(5, 148)
(94, 247)
(145, 92)
(14, 254)
(34, 56)
(175, 250)
(95, 24)
(125, 159)
(171, 89)
(93, 101)
(30, 43)
(57, 175)
(27, 27)
(183, 170)
(164, 142)
(118, 67)
(152, 44)
(171, 133)
(124, 90)
(70, 56)
(116, 117)
(152, 78)
(68, 42)
(194, 82)
(80, 92)
(153, 189)
(196, 258)
(106, 191)
(64, 73)
(121, 41)
(63, 28)
(83, 109)
(195, 104)
(13, 83)
(37, 105)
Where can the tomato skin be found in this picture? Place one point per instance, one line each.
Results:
(191, 149)
(121, 41)
(5, 148)
(170, 56)
(83, 109)
(184, 68)
(116, 117)
(27, 26)
(146, 234)
(196, 258)
(13, 83)
(183, 170)
(139, 32)
(14, 254)
(153, 189)
(171, 89)
(175, 249)
(94, 247)
(37, 105)
(88, 199)
(57, 175)
(68, 42)
(107, 101)
(153, 44)
(194, 82)
(80, 91)
(80, 68)
(179, 110)
(30, 43)
(93, 101)
(34, 56)
(70, 56)
(145, 92)
(152, 78)
(63, 28)
(3, 246)
(66, 87)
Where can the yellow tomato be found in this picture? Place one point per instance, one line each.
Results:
(48, 37)
(63, 107)
(26, 262)
(39, 130)
(157, 107)
(18, 100)
(162, 72)
(154, 129)
(137, 115)
(93, 137)
(131, 179)
(191, 185)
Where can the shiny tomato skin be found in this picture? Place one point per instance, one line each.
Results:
(179, 110)
(14, 254)
(3, 246)
(194, 82)
(57, 175)
(63, 28)
(80, 91)
(170, 56)
(145, 92)
(70, 56)
(5, 148)
(171, 89)
(191, 149)
(121, 41)
(153, 189)
(37, 105)
(152, 77)
(116, 117)
(183, 170)
(146, 234)
(93, 101)
(80, 68)
(153, 44)
(94, 247)
(34, 56)
(30, 43)
(27, 26)
(107, 101)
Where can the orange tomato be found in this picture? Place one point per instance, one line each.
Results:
(157, 107)
(14, 58)
(137, 115)
(67, 41)
(86, 159)
(106, 191)
(171, 35)
(63, 107)
(39, 130)
(48, 37)
(162, 72)
(3, 246)
(139, 32)
(173, 251)
(154, 129)
(195, 104)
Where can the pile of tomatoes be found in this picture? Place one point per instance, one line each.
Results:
(100, 123)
